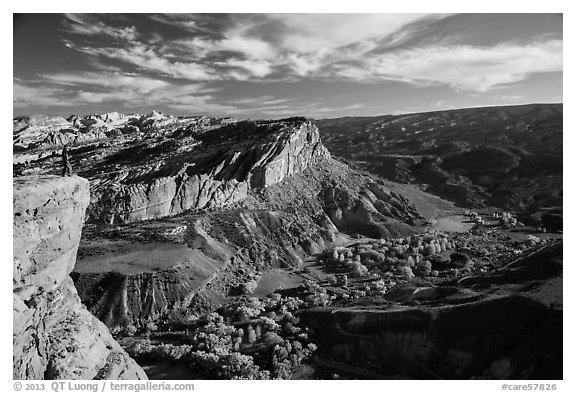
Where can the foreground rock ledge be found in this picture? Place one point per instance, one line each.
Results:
(54, 336)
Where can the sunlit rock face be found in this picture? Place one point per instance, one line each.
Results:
(213, 179)
(152, 166)
(55, 337)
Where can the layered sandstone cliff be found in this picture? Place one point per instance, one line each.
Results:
(55, 337)
(205, 172)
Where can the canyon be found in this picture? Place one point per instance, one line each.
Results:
(168, 220)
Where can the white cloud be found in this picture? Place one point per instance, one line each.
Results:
(80, 88)
(324, 46)
(467, 67)
(305, 65)
(304, 43)
(314, 33)
(25, 96)
(253, 48)
(266, 100)
(257, 68)
(342, 46)
(507, 97)
(365, 48)
(88, 25)
(146, 58)
(107, 80)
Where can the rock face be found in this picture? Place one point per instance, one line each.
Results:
(33, 129)
(177, 164)
(206, 180)
(38, 132)
(55, 337)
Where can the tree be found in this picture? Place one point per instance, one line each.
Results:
(251, 335)
(249, 287)
(359, 270)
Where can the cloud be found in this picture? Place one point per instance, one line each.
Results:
(302, 43)
(359, 47)
(257, 68)
(466, 67)
(364, 48)
(81, 88)
(87, 24)
(317, 33)
(151, 57)
(25, 96)
(507, 97)
(261, 100)
(147, 59)
(87, 88)
(139, 61)
(108, 80)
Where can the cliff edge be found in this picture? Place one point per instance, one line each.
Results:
(54, 336)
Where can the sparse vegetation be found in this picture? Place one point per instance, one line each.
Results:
(247, 339)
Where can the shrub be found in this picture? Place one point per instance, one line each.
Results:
(269, 325)
(251, 336)
(129, 330)
(459, 259)
(343, 280)
(249, 287)
(359, 270)
(424, 268)
(229, 366)
(379, 286)
(406, 272)
(272, 338)
(335, 255)
(410, 262)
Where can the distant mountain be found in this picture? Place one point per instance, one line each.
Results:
(508, 157)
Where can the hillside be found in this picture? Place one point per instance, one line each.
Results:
(506, 157)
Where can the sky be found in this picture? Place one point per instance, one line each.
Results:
(277, 65)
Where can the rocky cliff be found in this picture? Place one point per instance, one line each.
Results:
(175, 165)
(204, 172)
(55, 337)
